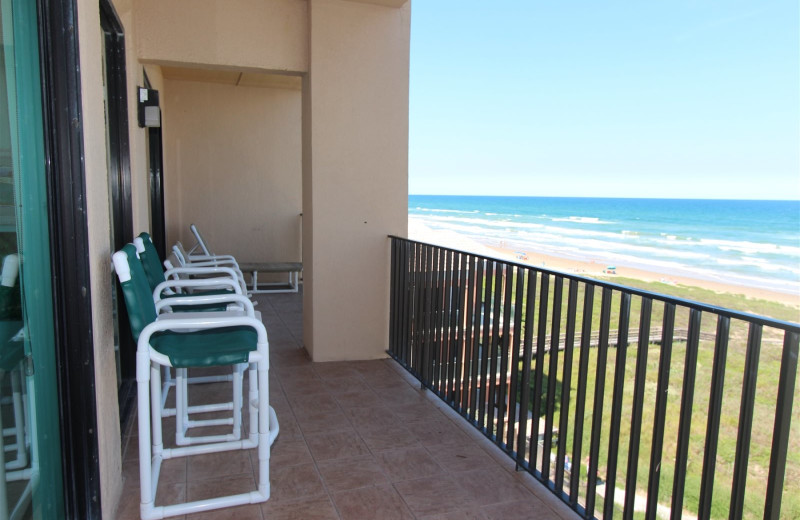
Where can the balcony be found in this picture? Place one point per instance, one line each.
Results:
(358, 440)
(673, 407)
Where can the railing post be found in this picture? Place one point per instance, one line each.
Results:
(745, 421)
(638, 406)
(599, 391)
(783, 422)
(544, 295)
(714, 411)
(566, 383)
(685, 424)
(527, 359)
(616, 406)
(580, 398)
(662, 389)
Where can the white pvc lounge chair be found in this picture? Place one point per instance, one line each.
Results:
(186, 260)
(182, 343)
(293, 269)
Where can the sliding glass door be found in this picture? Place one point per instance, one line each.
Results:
(31, 483)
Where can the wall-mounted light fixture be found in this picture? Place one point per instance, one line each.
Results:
(149, 112)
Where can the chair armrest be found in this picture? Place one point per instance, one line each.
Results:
(211, 261)
(206, 283)
(195, 270)
(191, 270)
(228, 258)
(207, 299)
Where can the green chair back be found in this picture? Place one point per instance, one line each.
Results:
(11, 352)
(138, 296)
(153, 269)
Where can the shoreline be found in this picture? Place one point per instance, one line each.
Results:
(417, 230)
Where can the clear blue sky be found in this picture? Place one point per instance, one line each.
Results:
(683, 99)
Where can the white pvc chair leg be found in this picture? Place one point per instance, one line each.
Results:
(18, 430)
(263, 430)
(183, 419)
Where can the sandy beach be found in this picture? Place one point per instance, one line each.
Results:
(422, 233)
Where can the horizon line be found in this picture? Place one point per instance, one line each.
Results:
(597, 197)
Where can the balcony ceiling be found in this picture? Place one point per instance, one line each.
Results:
(233, 77)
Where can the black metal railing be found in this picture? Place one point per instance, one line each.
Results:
(621, 401)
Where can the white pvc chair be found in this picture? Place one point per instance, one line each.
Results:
(183, 342)
(24, 466)
(166, 291)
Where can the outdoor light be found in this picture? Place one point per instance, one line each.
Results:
(149, 112)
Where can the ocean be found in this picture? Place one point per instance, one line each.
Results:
(745, 242)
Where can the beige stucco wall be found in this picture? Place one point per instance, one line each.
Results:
(232, 167)
(358, 172)
(97, 204)
(240, 34)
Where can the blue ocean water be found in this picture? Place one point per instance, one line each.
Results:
(744, 242)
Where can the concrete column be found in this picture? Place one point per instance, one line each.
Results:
(355, 173)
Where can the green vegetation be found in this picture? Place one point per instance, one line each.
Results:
(765, 399)
(737, 302)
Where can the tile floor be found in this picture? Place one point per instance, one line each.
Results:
(359, 440)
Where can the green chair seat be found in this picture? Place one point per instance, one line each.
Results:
(206, 348)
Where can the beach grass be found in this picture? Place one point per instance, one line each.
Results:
(727, 300)
(767, 384)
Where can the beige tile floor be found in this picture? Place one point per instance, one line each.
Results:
(359, 440)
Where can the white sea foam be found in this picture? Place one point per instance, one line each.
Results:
(581, 220)
(449, 211)
(751, 247)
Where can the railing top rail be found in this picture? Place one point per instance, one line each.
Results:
(705, 307)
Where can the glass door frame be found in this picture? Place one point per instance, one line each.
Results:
(69, 249)
(119, 177)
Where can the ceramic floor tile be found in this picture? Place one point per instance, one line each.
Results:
(433, 495)
(461, 457)
(335, 369)
(372, 503)
(295, 482)
(372, 418)
(347, 385)
(318, 508)
(463, 514)
(419, 411)
(365, 398)
(335, 445)
(248, 512)
(288, 452)
(408, 464)
(352, 473)
(304, 387)
(433, 433)
(215, 465)
(219, 487)
(334, 419)
(388, 438)
(492, 486)
(529, 509)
